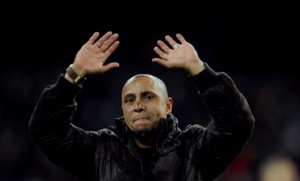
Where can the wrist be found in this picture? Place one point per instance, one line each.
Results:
(75, 75)
(196, 69)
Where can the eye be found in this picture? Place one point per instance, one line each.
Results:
(129, 100)
(149, 97)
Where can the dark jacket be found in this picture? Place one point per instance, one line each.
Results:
(194, 153)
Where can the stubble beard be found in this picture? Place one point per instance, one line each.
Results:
(148, 133)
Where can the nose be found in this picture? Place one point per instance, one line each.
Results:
(139, 107)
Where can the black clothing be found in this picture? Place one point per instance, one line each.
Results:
(194, 153)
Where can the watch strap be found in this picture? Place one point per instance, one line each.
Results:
(76, 75)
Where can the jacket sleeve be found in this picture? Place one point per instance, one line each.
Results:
(231, 125)
(51, 129)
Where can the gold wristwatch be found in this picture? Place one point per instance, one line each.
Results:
(76, 75)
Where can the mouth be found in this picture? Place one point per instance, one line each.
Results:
(140, 120)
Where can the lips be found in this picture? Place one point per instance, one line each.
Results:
(141, 119)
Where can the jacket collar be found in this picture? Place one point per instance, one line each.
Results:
(167, 140)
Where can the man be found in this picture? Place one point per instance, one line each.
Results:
(145, 143)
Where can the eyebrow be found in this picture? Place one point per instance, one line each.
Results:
(143, 94)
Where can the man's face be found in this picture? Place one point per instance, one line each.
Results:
(144, 103)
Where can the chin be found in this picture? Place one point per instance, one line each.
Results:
(142, 131)
(145, 132)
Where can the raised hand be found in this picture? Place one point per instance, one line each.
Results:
(92, 56)
(178, 55)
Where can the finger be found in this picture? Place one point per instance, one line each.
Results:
(180, 38)
(176, 46)
(160, 61)
(164, 47)
(160, 53)
(109, 66)
(171, 41)
(93, 38)
(111, 49)
(109, 42)
(104, 38)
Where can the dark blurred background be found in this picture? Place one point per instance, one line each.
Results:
(256, 44)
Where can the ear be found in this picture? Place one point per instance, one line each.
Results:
(169, 105)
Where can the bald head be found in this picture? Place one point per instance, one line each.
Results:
(157, 83)
(145, 102)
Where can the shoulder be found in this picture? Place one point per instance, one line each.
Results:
(193, 130)
(109, 131)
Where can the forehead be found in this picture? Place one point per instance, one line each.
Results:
(141, 84)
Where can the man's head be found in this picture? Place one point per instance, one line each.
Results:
(144, 102)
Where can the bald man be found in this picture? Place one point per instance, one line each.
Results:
(145, 143)
(144, 102)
